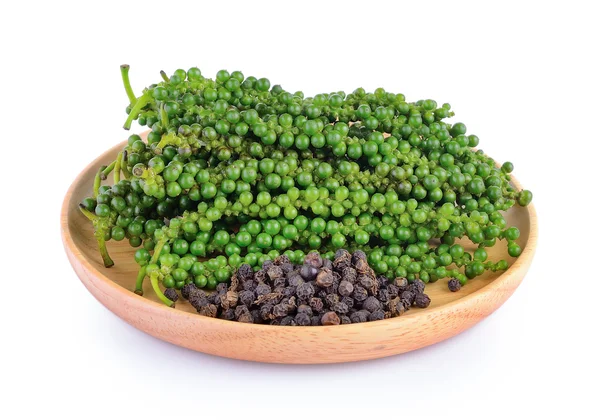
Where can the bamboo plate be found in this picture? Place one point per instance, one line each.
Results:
(448, 315)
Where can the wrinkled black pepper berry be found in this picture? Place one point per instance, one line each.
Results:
(304, 309)
(358, 255)
(295, 280)
(185, 290)
(325, 278)
(313, 258)
(246, 297)
(371, 304)
(345, 288)
(422, 300)
(316, 304)
(345, 319)
(454, 285)
(245, 272)
(171, 293)
(286, 267)
(242, 314)
(308, 272)
(408, 296)
(360, 293)
(302, 319)
(228, 314)
(275, 272)
(281, 260)
(360, 316)
(330, 318)
(340, 308)
(377, 315)
(267, 264)
(288, 320)
(327, 264)
(262, 289)
(315, 320)
(417, 286)
(305, 291)
(260, 276)
(401, 283)
(348, 301)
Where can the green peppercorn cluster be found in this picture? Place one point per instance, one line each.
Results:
(236, 171)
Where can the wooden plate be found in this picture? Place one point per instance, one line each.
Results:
(448, 314)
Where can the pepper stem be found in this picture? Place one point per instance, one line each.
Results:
(137, 108)
(164, 118)
(164, 76)
(91, 216)
(126, 83)
(108, 170)
(98, 180)
(99, 234)
(124, 168)
(108, 262)
(159, 293)
(117, 173)
(140, 281)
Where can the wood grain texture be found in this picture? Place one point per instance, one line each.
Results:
(448, 315)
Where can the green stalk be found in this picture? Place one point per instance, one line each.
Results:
(98, 180)
(126, 83)
(137, 108)
(108, 262)
(117, 173)
(106, 172)
(142, 273)
(99, 234)
(164, 76)
(124, 168)
(164, 118)
(159, 293)
(140, 281)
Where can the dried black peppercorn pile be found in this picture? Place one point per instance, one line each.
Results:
(318, 292)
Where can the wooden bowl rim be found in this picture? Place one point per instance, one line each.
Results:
(464, 303)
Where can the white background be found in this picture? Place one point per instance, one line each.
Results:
(524, 76)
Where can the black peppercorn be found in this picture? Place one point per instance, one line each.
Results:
(281, 260)
(228, 314)
(267, 264)
(408, 296)
(401, 283)
(280, 310)
(417, 286)
(266, 311)
(348, 301)
(359, 316)
(308, 272)
(330, 318)
(349, 274)
(360, 293)
(315, 320)
(345, 288)
(377, 315)
(245, 272)
(209, 310)
(288, 320)
(340, 308)
(316, 304)
(274, 272)
(295, 280)
(422, 300)
(286, 268)
(304, 309)
(229, 300)
(171, 294)
(242, 314)
(314, 259)
(305, 291)
(302, 319)
(246, 297)
(325, 278)
(331, 299)
(185, 290)
(327, 264)
(371, 304)
(262, 289)
(260, 276)
(345, 319)
(358, 255)
(454, 285)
